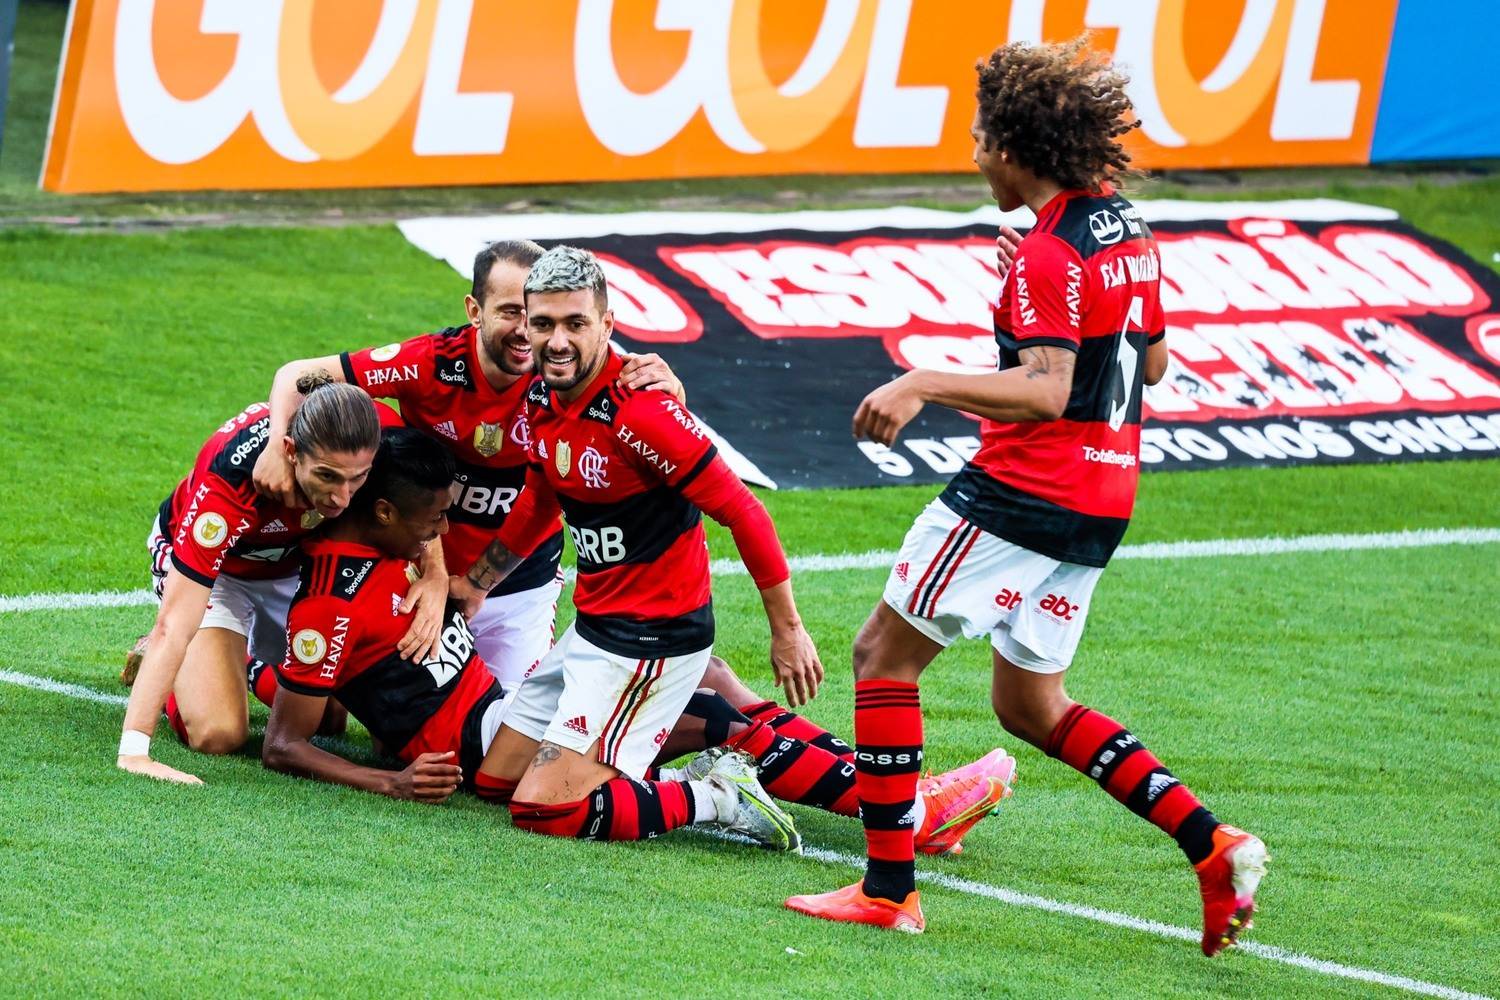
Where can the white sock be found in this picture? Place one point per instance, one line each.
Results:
(708, 804)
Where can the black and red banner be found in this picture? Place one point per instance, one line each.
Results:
(1296, 337)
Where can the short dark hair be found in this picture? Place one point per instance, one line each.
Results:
(409, 467)
(1059, 109)
(522, 253)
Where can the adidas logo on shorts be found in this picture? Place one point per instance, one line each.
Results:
(579, 725)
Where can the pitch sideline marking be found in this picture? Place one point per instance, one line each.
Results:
(999, 893)
(1218, 547)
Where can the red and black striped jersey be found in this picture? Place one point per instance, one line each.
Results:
(216, 520)
(443, 393)
(632, 473)
(1085, 278)
(342, 633)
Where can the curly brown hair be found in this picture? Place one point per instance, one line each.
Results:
(1058, 109)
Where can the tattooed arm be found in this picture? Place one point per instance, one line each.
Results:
(1036, 389)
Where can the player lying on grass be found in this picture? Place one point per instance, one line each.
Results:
(224, 566)
(466, 387)
(1014, 546)
(440, 714)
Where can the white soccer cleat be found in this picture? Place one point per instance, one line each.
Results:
(701, 765)
(746, 808)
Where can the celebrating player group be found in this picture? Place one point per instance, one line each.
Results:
(331, 556)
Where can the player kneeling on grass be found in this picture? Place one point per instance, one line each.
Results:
(224, 563)
(631, 473)
(439, 714)
(1013, 548)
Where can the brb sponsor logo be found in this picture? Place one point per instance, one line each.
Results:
(599, 545)
(455, 646)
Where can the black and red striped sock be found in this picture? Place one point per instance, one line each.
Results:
(261, 679)
(496, 791)
(795, 771)
(1101, 748)
(798, 728)
(619, 809)
(887, 758)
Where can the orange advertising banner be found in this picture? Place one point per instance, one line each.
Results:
(192, 94)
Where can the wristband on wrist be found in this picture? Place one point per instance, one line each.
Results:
(134, 743)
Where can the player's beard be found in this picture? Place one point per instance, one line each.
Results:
(583, 370)
(499, 351)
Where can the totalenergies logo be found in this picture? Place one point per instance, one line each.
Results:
(294, 93)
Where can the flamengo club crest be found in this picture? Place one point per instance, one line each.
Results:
(488, 439)
(591, 468)
(564, 458)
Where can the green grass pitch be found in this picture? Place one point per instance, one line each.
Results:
(1341, 705)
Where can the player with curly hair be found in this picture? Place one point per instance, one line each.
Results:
(1014, 546)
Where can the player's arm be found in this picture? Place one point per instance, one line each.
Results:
(525, 527)
(649, 371)
(182, 605)
(426, 600)
(703, 478)
(288, 748)
(1156, 359)
(273, 473)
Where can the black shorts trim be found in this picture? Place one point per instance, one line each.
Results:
(471, 737)
(1031, 522)
(652, 638)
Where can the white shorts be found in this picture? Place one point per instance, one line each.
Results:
(952, 578)
(255, 609)
(513, 632)
(580, 694)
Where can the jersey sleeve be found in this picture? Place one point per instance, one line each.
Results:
(532, 520)
(215, 519)
(1048, 294)
(319, 631)
(392, 370)
(718, 492)
(662, 438)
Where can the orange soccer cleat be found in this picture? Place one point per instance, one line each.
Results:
(956, 801)
(1227, 880)
(850, 905)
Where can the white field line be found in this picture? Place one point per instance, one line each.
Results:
(1217, 547)
(998, 893)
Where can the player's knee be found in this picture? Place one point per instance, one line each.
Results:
(1017, 718)
(718, 675)
(216, 737)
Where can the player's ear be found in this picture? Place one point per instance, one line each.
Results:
(289, 449)
(385, 513)
(609, 323)
(472, 307)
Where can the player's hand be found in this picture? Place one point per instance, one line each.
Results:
(425, 602)
(273, 476)
(795, 663)
(431, 778)
(883, 413)
(143, 764)
(649, 371)
(469, 597)
(1007, 245)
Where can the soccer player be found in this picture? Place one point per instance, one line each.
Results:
(466, 386)
(224, 562)
(630, 471)
(439, 714)
(1013, 547)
